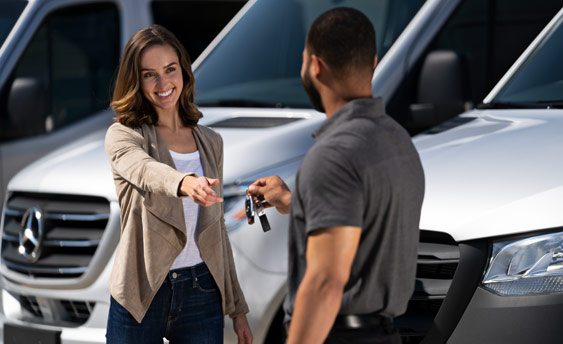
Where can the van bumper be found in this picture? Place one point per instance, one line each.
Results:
(491, 318)
(472, 314)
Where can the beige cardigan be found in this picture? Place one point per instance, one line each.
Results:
(153, 230)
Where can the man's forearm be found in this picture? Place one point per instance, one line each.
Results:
(316, 306)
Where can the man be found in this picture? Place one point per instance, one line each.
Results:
(356, 206)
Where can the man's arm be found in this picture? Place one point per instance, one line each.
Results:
(330, 253)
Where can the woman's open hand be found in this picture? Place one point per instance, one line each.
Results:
(199, 190)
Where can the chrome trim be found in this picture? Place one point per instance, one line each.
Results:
(71, 243)
(45, 270)
(62, 216)
(57, 243)
(76, 217)
(11, 238)
(14, 212)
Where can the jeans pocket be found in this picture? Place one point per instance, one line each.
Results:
(205, 283)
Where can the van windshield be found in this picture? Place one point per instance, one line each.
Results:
(10, 10)
(258, 63)
(540, 78)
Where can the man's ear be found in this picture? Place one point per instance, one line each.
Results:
(316, 65)
(375, 62)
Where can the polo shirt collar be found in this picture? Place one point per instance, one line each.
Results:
(361, 107)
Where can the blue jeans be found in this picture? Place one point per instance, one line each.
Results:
(185, 310)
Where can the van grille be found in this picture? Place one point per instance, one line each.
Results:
(53, 311)
(438, 257)
(64, 233)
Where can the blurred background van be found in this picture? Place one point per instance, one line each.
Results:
(58, 59)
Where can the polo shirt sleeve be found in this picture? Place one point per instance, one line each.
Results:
(330, 189)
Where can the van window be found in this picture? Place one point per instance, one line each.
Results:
(195, 23)
(487, 36)
(10, 10)
(491, 35)
(65, 72)
(259, 62)
(539, 80)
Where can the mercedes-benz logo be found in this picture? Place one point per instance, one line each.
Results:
(31, 234)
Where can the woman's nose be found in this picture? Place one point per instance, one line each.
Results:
(160, 81)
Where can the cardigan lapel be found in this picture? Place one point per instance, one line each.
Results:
(207, 215)
(168, 209)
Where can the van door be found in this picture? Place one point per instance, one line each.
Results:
(62, 77)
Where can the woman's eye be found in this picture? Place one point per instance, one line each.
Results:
(171, 69)
(147, 75)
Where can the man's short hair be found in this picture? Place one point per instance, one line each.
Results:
(344, 38)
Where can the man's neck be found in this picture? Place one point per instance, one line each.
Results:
(332, 107)
(333, 103)
(335, 93)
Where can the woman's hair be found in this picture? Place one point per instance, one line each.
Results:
(130, 105)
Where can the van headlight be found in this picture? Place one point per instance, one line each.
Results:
(526, 266)
(233, 205)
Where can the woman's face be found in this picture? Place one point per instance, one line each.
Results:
(161, 77)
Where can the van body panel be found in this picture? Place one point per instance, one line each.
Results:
(502, 154)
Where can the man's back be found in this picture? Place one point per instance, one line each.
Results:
(363, 171)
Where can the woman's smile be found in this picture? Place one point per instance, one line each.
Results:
(165, 94)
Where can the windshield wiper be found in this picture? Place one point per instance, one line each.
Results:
(511, 105)
(240, 103)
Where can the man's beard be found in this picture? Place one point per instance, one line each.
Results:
(312, 92)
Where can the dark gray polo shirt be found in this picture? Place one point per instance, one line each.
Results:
(362, 171)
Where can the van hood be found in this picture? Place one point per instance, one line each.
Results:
(498, 174)
(83, 168)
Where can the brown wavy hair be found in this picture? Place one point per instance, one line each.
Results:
(129, 103)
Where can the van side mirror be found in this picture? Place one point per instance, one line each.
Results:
(28, 105)
(440, 92)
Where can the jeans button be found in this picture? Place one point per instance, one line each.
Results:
(174, 275)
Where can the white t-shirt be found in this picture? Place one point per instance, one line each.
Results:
(188, 162)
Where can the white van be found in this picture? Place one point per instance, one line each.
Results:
(58, 59)
(495, 190)
(437, 58)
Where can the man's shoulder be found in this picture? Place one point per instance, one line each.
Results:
(323, 159)
(349, 136)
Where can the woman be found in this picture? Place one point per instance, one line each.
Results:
(174, 274)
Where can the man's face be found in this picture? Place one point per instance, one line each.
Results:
(308, 84)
